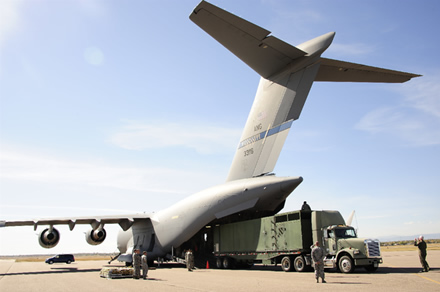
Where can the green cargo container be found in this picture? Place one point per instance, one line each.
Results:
(286, 239)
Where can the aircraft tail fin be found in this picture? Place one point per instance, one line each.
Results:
(287, 75)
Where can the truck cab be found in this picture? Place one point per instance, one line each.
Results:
(345, 250)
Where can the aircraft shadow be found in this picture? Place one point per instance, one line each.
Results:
(53, 271)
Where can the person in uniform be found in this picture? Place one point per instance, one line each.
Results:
(305, 207)
(189, 258)
(144, 265)
(421, 244)
(136, 263)
(318, 262)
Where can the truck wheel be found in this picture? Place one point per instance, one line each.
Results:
(286, 264)
(371, 268)
(218, 263)
(346, 264)
(228, 263)
(299, 264)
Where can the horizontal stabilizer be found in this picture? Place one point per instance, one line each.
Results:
(265, 54)
(340, 71)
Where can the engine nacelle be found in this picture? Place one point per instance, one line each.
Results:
(95, 237)
(49, 237)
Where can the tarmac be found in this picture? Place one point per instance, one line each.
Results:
(399, 272)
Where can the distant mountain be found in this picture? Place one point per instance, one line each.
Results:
(408, 237)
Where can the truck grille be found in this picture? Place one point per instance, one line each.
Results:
(373, 248)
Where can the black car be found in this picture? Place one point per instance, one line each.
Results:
(61, 258)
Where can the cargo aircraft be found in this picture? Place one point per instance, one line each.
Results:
(251, 190)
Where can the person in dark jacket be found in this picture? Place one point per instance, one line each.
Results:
(305, 207)
(421, 244)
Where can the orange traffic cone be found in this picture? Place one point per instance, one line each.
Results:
(207, 264)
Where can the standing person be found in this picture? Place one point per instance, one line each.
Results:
(136, 263)
(318, 260)
(189, 258)
(306, 207)
(144, 265)
(421, 244)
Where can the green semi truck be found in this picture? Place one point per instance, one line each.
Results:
(287, 239)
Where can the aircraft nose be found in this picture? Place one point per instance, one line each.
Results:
(289, 184)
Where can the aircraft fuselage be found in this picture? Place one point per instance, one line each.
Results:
(171, 227)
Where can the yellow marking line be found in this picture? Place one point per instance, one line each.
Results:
(426, 278)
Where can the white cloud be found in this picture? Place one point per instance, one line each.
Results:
(16, 166)
(9, 18)
(423, 94)
(416, 121)
(351, 49)
(202, 138)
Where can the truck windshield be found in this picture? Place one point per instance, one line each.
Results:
(345, 233)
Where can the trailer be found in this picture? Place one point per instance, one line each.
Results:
(287, 239)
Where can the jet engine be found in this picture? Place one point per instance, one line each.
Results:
(95, 237)
(49, 237)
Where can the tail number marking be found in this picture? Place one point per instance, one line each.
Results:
(249, 152)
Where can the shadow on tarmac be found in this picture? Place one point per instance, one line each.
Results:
(359, 270)
(380, 270)
(53, 271)
(392, 270)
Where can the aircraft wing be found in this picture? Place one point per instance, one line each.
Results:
(252, 44)
(125, 221)
(340, 71)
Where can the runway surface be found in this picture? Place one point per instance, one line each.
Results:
(399, 272)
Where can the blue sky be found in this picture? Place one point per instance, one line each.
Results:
(115, 107)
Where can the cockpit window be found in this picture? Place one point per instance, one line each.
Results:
(345, 233)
